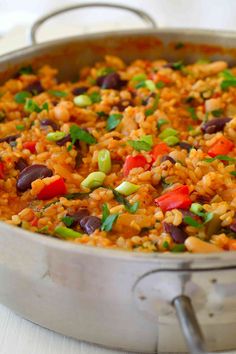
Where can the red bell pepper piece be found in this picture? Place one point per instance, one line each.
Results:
(133, 162)
(221, 147)
(177, 198)
(34, 222)
(54, 189)
(1, 170)
(30, 145)
(159, 149)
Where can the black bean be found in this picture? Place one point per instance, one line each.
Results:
(8, 139)
(185, 145)
(178, 235)
(110, 81)
(214, 125)
(79, 90)
(168, 158)
(78, 216)
(89, 224)
(21, 164)
(49, 122)
(64, 140)
(35, 88)
(30, 174)
(233, 226)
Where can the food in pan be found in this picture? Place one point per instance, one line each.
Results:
(136, 156)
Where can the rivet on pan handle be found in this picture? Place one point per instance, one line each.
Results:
(190, 326)
(143, 15)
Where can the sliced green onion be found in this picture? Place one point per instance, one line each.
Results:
(150, 85)
(171, 140)
(131, 208)
(139, 145)
(196, 208)
(55, 136)
(104, 161)
(109, 222)
(105, 212)
(127, 188)
(192, 112)
(67, 220)
(82, 101)
(191, 221)
(195, 132)
(139, 77)
(168, 132)
(220, 157)
(65, 232)
(93, 180)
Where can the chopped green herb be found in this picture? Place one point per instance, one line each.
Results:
(167, 133)
(20, 127)
(21, 97)
(229, 80)
(179, 45)
(95, 97)
(141, 84)
(113, 121)
(150, 111)
(171, 140)
(217, 112)
(31, 106)
(149, 84)
(105, 71)
(26, 70)
(77, 195)
(109, 222)
(177, 65)
(139, 77)
(93, 180)
(77, 133)
(233, 173)
(105, 212)
(57, 93)
(220, 157)
(179, 248)
(131, 208)
(140, 145)
(207, 217)
(67, 220)
(192, 222)
(161, 122)
(165, 245)
(192, 112)
(101, 114)
(160, 84)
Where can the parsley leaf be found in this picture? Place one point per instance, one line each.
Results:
(161, 122)
(77, 133)
(233, 173)
(191, 221)
(26, 70)
(57, 93)
(179, 248)
(145, 143)
(68, 221)
(20, 97)
(165, 245)
(31, 106)
(95, 97)
(150, 111)
(217, 112)
(229, 80)
(77, 195)
(177, 65)
(160, 84)
(113, 120)
(108, 219)
(192, 112)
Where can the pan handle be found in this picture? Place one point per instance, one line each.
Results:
(190, 326)
(141, 14)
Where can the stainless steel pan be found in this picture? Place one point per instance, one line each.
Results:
(114, 298)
